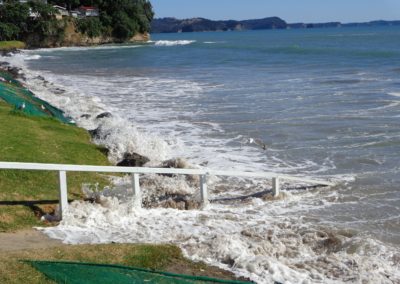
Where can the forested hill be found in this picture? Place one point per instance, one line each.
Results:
(172, 25)
(39, 23)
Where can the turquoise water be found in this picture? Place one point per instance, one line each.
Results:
(326, 103)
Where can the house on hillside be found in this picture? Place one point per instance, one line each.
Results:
(62, 12)
(81, 12)
(88, 11)
(74, 13)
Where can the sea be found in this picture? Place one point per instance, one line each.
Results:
(315, 103)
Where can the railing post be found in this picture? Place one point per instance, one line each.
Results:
(275, 187)
(63, 192)
(203, 189)
(137, 196)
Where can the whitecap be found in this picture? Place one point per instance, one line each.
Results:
(173, 42)
(85, 48)
(33, 57)
(394, 94)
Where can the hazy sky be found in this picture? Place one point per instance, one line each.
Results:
(289, 10)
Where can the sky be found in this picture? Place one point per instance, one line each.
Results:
(290, 10)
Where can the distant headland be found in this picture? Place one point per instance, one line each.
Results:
(173, 25)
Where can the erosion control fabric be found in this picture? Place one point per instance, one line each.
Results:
(88, 273)
(13, 93)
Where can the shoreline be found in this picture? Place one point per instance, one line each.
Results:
(91, 42)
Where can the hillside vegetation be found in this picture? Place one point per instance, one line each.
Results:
(35, 22)
(172, 25)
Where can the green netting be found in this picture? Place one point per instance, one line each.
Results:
(8, 77)
(12, 92)
(76, 272)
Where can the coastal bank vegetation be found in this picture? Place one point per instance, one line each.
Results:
(7, 46)
(74, 22)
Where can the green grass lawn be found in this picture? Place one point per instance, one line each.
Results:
(24, 195)
(10, 45)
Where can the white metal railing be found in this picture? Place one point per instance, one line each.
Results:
(136, 171)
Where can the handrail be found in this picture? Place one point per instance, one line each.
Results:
(135, 171)
(141, 170)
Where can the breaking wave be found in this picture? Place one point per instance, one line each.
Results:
(173, 42)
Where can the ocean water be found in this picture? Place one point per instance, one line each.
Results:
(324, 102)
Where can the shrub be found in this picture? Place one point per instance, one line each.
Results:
(92, 27)
(8, 31)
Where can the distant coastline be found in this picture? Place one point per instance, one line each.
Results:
(173, 25)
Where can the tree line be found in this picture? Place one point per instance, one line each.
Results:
(120, 19)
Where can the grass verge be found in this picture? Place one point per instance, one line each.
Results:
(26, 195)
(11, 45)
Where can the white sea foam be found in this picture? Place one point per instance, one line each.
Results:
(33, 57)
(252, 240)
(88, 48)
(154, 110)
(394, 94)
(173, 42)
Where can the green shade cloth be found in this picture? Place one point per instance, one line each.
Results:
(13, 93)
(88, 273)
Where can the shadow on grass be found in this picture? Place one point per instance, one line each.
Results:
(33, 205)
